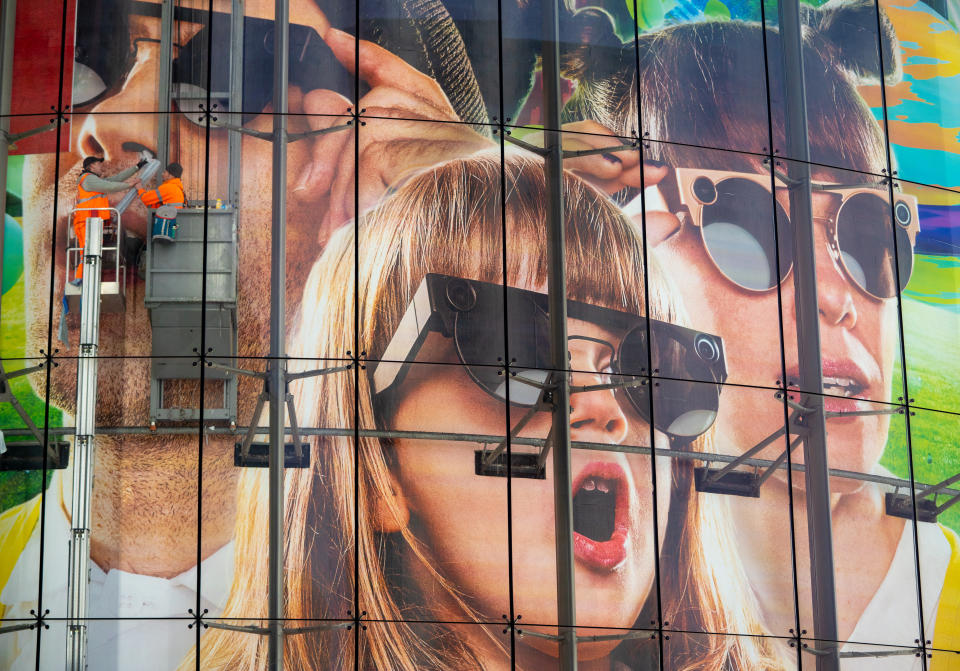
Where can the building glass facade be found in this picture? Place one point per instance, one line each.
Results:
(323, 418)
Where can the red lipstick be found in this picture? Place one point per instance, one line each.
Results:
(606, 553)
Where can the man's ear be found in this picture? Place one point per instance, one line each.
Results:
(390, 510)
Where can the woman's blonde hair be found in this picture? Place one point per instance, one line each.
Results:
(447, 220)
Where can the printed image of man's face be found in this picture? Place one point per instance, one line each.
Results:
(127, 112)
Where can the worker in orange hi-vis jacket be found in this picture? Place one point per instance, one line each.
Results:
(92, 190)
(170, 191)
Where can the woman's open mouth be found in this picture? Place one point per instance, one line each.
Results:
(600, 515)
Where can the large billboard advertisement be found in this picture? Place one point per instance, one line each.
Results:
(417, 327)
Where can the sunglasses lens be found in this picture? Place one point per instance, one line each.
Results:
(87, 84)
(865, 236)
(478, 334)
(681, 407)
(520, 391)
(737, 229)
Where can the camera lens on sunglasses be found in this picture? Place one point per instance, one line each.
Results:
(686, 398)
(737, 229)
(682, 407)
(865, 238)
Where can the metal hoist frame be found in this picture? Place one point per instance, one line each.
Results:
(83, 451)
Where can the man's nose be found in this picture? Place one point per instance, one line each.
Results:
(128, 115)
(596, 416)
(834, 287)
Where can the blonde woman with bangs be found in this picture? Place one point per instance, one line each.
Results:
(430, 536)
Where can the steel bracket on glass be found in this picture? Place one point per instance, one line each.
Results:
(860, 654)
(12, 138)
(815, 186)
(627, 635)
(927, 508)
(727, 480)
(29, 455)
(252, 454)
(522, 464)
(265, 631)
(493, 462)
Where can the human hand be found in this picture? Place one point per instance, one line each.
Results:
(609, 172)
(396, 137)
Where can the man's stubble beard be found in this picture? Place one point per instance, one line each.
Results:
(124, 383)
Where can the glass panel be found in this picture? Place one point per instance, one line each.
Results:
(18, 647)
(145, 515)
(931, 301)
(614, 543)
(842, 65)
(319, 531)
(443, 528)
(921, 107)
(115, 645)
(436, 63)
(27, 249)
(875, 574)
(935, 462)
(311, 645)
(240, 76)
(431, 251)
(858, 656)
(718, 650)
(36, 86)
(703, 81)
(859, 274)
(453, 645)
(710, 219)
(311, 218)
(729, 528)
(597, 70)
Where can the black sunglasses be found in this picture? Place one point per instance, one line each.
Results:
(688, 365)
(312, 63)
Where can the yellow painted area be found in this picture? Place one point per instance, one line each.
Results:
(896, 94)
(925, 135)
(936, 39)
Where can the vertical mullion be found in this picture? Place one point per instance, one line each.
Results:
(203, 304)
(903, 350)
(770, 159)
(649, 368)
(501, 127)
(356, 341)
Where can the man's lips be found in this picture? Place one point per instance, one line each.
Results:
(601, 513)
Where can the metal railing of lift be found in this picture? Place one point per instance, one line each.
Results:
(113, 228)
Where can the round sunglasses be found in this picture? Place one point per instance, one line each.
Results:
(735, 215)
